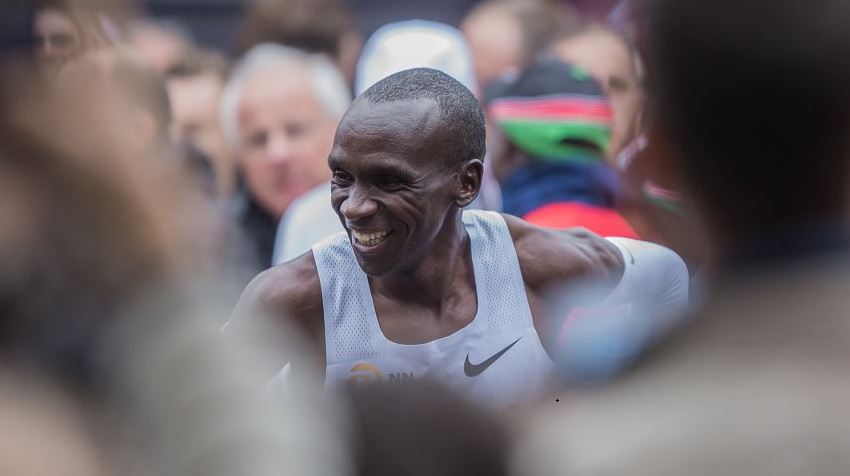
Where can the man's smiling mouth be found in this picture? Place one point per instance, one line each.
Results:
(369, 239)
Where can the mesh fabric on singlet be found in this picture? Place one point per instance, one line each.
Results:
(357, 350)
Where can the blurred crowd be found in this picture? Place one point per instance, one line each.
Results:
(146, 178)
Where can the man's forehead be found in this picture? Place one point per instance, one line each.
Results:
(399, 134)
(403, 118)
(274, 80)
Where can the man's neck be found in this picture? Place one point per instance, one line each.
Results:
(444, 270)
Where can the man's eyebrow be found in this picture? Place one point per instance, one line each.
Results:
(333, 162)
(403, 171)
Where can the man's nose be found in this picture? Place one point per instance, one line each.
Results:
(358, 205)
(279, 148)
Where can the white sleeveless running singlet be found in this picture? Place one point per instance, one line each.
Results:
(496, 359)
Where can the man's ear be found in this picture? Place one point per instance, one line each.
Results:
(469, 182)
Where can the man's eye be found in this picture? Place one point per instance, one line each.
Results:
(258, 139)
(295, 131)
(342, 178)
(390, 182)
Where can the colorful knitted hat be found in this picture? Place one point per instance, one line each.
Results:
(553, 111)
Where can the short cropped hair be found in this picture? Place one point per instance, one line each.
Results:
(460, 111)
(330, 88)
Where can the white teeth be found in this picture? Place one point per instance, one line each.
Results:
(369, 239)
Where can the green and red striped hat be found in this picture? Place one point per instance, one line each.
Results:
(553, 111)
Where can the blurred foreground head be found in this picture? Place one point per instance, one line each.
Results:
(420, 428)
(752, 99)
(86, 225)
(99, 249)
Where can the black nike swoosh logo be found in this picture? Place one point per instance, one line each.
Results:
(472, 370)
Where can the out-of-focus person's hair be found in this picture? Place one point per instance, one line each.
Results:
(316, 26)
(758, 120)
(537, 22)
(328, 84)
(420, 428)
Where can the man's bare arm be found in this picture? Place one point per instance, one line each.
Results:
(554, 257)
(588, 292)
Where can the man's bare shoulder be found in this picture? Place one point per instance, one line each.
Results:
(290, 290)
(550, 256)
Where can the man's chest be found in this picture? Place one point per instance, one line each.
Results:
(411, 323)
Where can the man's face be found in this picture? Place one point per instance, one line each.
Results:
(495, 41)
(391, 188)
(286, 135)
(607, 59)
(194, 105)
(56, 36)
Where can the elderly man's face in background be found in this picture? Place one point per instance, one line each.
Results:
(286, 136)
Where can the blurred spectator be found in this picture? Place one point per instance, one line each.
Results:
(553, 128)
(279, 112)
(325, 27)
(64, 29)
(612, 61)
(506, 35)
(195, 85)
(38, 420)
(755, 384)
(393, 48)
(162, 44)
(420, 428)
(97, 294)
(414, 43)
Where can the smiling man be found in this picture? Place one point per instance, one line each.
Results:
(416, 287)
